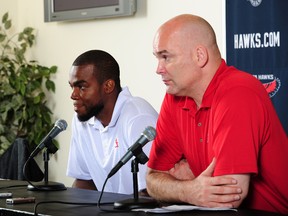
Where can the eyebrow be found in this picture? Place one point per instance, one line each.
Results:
(160, 52)
(77, 83)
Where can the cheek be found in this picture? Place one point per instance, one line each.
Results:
(186, 74)
(172, 69)
(94, 97)
(88, 96)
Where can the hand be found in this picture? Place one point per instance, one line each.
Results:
(208, 191)
(182, 171)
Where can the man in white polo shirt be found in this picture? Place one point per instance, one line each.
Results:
(107, 121)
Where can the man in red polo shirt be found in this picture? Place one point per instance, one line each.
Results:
(220, 120)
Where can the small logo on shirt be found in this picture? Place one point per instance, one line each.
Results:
(116, 143)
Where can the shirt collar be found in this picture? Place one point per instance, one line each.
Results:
(188, 103)
(121, 100)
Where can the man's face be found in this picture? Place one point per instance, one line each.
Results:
(87, 94)
(175, 62)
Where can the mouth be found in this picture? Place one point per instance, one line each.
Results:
(77, 107)
(166, 81)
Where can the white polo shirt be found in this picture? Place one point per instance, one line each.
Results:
(95, 149)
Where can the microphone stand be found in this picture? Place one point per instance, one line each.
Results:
(47, 186)
(136, 202)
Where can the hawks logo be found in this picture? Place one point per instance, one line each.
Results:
(272, 87)
(255, 3)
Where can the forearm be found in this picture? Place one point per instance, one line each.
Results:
(204, 190)
(164, 187)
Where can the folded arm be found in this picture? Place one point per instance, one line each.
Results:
(204, 190)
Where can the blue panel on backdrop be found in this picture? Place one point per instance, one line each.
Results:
(257, 42)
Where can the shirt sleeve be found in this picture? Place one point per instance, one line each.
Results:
(166, 149)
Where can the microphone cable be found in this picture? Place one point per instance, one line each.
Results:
(24, 173)
(98, 204)
(13, 186)
(60, 202)
(100, 197)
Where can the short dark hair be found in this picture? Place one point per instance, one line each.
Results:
(104, 66)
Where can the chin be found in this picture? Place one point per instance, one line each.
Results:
(83, 118)
(171, 91)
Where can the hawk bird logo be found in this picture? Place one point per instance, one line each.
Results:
(272, 87)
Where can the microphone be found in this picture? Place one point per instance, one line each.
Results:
(59, 126)
(136, 149)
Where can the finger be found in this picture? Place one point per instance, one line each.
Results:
(220, 205)
(229, 198)
(220, 180)
(210, 169)
(224, 190)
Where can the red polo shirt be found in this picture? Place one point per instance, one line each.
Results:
(236, 124)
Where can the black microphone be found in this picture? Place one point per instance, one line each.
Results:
(59, 126)
(136, 149)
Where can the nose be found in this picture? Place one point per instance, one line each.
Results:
(160, 68)
(74, 94)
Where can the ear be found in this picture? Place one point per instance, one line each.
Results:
(109, 86)
(202, 56)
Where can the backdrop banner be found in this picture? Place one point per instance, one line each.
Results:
(257, 42)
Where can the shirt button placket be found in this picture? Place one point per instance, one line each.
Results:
(199, 125)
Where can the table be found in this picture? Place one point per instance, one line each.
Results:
(86, 196)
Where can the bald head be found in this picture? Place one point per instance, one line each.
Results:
(188, 31)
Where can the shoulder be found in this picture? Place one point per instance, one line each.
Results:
(135, 104)
(244, 83)
(138, 105)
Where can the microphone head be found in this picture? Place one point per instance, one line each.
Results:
(149, 133)
(61, 124)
